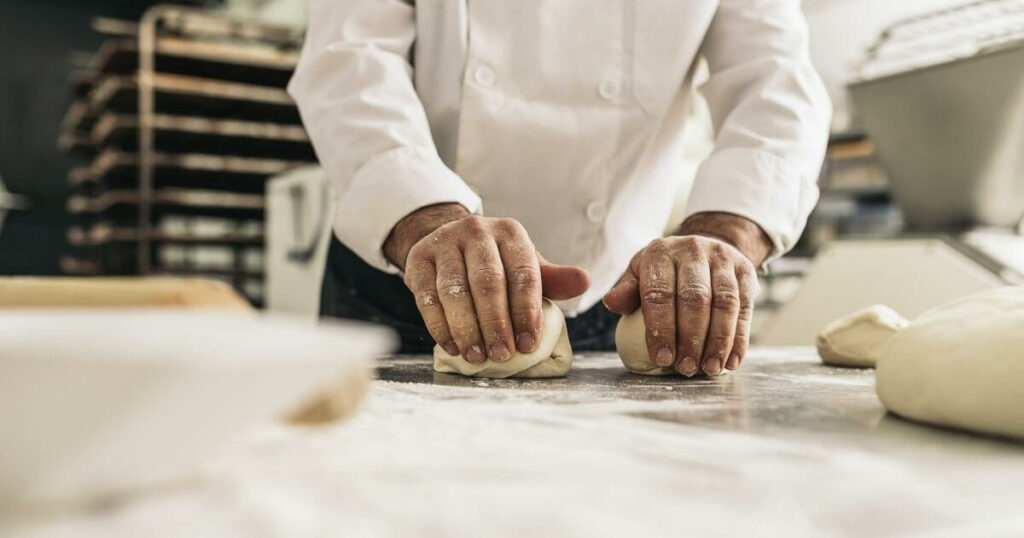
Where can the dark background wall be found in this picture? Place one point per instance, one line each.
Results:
(37, 39)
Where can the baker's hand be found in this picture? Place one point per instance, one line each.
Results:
(697, 292)
(478, 281)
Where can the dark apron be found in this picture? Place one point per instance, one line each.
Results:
(352, 289)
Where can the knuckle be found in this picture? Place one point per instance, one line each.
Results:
(494, 325)
(726, 299)
(694, 296)
(488, 280)
(745, 313)
(453, 285)
(427, 298)
(525, 277)
(474, 224)
(690, 243)
(657, 295)
(719, 254)
(511, 226)
(416, 277)
(658, 245)
(419, 251)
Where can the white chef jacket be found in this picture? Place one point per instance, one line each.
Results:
(566, 115)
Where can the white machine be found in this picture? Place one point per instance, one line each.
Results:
(9, 202)
(298, 232)
(942, 97)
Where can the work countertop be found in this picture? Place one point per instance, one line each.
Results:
(783, 447)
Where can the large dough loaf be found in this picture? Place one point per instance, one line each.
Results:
(960, 365)
(551, 358)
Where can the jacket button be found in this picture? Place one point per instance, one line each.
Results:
(485, 76)
(610, 89)
(595, 212)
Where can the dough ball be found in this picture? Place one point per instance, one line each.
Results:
(631, 343)
(960, 365)
(551, 358)
(856, 339)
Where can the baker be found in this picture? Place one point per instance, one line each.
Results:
(486, 153)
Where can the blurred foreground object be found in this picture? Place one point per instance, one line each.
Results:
(96, 402)
(336, 400)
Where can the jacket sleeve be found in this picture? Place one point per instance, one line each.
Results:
(354, 90)
(771, 115)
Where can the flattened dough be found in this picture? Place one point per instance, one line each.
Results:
(631, 343)
(551, 358)
(960, 365)
(856, 339)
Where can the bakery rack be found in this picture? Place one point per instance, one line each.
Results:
(179, 120)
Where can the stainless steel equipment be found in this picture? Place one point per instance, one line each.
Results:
(942, 97)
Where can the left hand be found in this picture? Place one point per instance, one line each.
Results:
(697, 292)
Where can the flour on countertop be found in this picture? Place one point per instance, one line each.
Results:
(522, 459)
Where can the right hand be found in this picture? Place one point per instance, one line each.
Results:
(478, 281)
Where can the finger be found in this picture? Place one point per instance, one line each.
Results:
(624, 297)
(421, 278)
(524, 285)
(693, 304)
(725, 307)
(657, 290)
(562, 282)
(490, 297)
(457, 302)
(749, 288)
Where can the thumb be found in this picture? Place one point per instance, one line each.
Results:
(562, 282)
(624, 297)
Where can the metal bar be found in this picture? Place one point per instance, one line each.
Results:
(146, 102)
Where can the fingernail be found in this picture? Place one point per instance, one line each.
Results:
(451, 349)
(733, 362)
(499, 352)
(664, 357)
(525, 342)
(689, 366)
(475, 355)
(713, 366)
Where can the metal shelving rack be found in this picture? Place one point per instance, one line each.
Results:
(181, 118)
